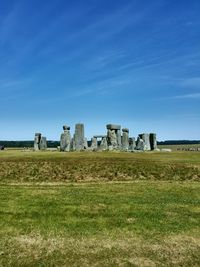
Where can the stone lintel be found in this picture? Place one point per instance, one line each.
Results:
(99, 136)
(65, 127)
(38, 134)
(125, 130)
(113, 127)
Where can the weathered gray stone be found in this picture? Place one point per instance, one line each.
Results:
(65, 127)
(37, 141)
(140, 145)
(65, 139)
(104, 144)
(132, 143)
(125, 130)
(99, 136)
(43, 143)
(79, 138)
(112, 139)
(119, 139)
(113, 127)
(72, 145)
(153, 141)
(146, 139)
(114, 136)
(110, 148)
(125, 139)
(94, 144)
(85, 143)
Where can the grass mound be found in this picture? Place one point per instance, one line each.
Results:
(62, 167)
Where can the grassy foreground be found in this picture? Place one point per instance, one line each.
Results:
(99, 209)
(105, 224)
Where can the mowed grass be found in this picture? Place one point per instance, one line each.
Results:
(99, 209)
(105, 224)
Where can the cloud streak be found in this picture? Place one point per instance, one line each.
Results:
(194, 96)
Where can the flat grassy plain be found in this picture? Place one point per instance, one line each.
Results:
(99, 209)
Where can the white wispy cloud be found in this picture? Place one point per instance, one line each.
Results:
(195, 96)
(109, 86)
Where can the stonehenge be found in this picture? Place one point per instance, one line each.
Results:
(79, 138)
(65, 139)
(103, 144)
(132, 144)
(140, 144)
(37, 141)
(116, 139)
(94, 144)
(125, 139)
(153, 141)
(146, 140)
(40, 142)
(43, 143)
(113, 136)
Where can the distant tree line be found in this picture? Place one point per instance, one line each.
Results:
(50, 144)
(179, 142)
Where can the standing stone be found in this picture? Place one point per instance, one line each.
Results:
(119, 138)
(104, 144)
(85, 143)
(79, 138)
(37, 141)
(153, 141)
(140, 144)
(43, 143)
(125, 139)
(65, 139)
(94, 144)
(132, 144)
(112, 139)
(146, 139)
(72, 145)
(114, 136)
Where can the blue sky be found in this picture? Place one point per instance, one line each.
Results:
(134, 63)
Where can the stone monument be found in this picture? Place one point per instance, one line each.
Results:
(65, 139)
(40, 142)
(146, 139)
(132, 144)
(140, 144)
(37, 141)
(94, 144)
(43, 143)
(104, 143)
(114, 136)
(153, 141)
(79, 138)
(125, 139)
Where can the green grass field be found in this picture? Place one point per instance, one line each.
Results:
(99, 209)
